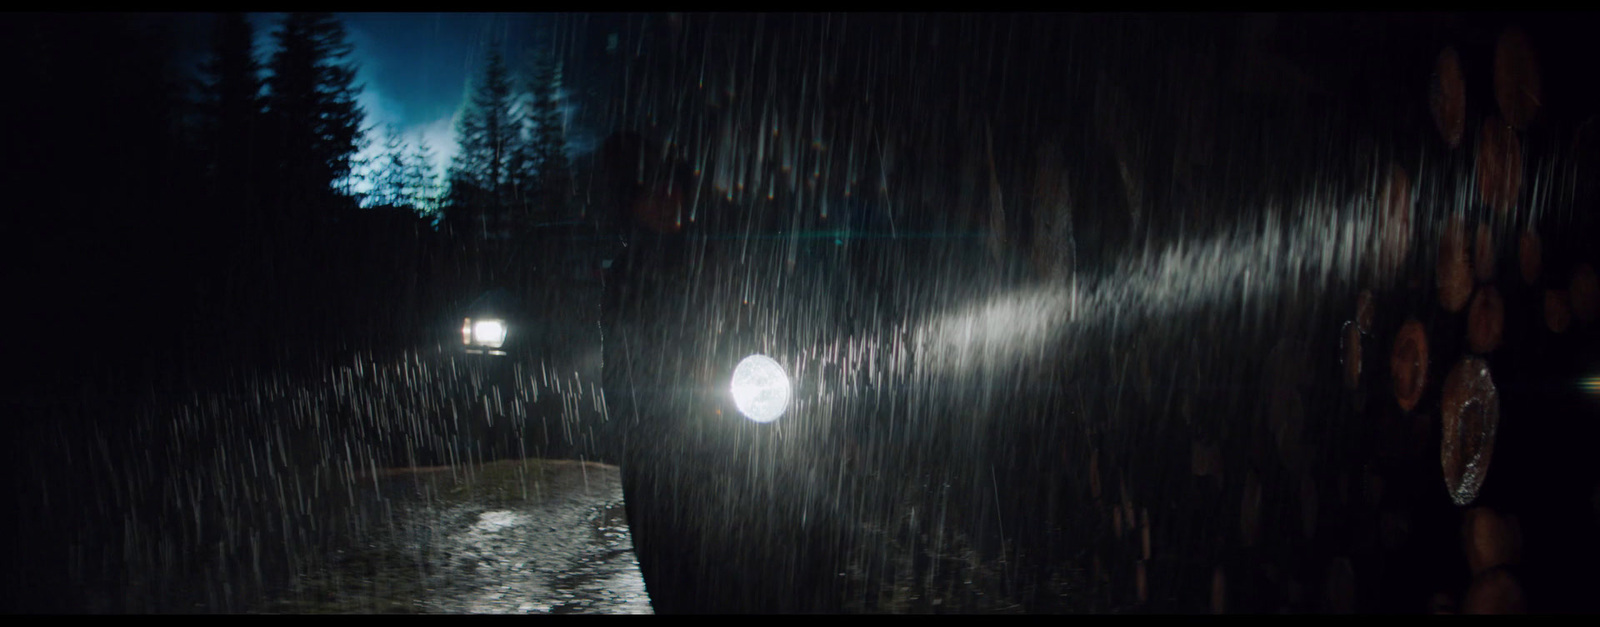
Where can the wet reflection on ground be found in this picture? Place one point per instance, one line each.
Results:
(513, 537)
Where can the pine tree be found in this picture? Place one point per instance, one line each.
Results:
(421, 181)
(522, 164)
(487, 134)
(231, 137)
(311, 100)
(389, 176)
(485, 130)
(231, 107)
(103, 206)
(549, 146)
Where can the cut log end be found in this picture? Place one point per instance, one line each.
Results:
(1470, 411)
(1584, 294)
(1483, 263)
(1530, 256)
(1409, 364)
(1485, 320)
(1490, 540)
(1447, 97)
(1518, 88)
(1557, 314)
(1454, 271)
(1495, 592)
(1499, 160)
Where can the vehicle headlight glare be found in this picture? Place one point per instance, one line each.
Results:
(490, 333)
(760, 388)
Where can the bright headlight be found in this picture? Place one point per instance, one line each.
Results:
(490, 333)
(760, 388)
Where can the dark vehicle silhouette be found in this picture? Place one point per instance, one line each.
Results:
(537, 319)
(494, 324)
(994, 351)
(728, 391)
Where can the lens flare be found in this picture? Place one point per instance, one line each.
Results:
(1591, 384)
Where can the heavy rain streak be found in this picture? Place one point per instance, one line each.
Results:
(700, 313)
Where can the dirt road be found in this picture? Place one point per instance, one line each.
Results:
(511, 537)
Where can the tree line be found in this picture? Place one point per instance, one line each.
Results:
(511, 164)
(300, 129)
(158, 212)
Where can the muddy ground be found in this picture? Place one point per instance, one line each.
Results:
(509, 537)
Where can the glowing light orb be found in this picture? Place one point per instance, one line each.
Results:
(760, 388)
(491, 333)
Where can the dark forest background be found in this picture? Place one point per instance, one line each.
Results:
(166, 218)
(166, 223)
(169, 218)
